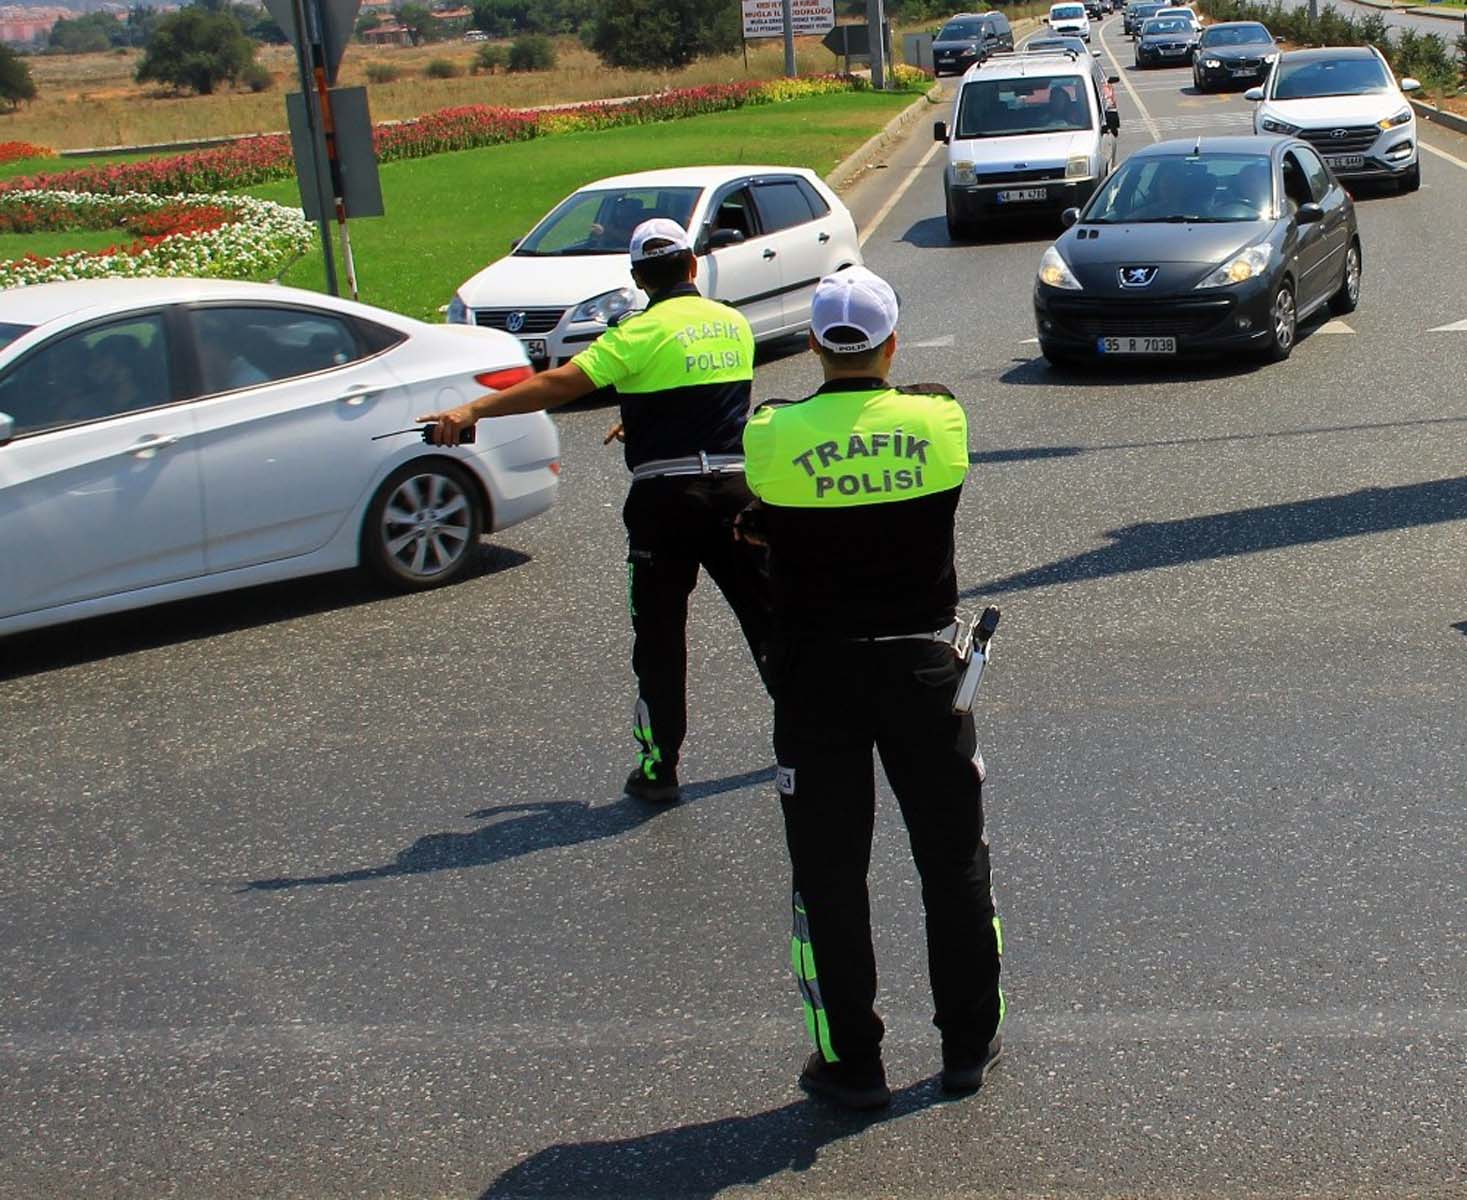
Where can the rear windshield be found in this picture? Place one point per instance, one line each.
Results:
(1235, 35)
(9, 332)
(1010, 107)
(1329, 77)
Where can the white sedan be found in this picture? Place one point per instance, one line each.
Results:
(764, 237)
(164, 438)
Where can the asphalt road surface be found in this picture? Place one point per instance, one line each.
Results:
(314, 892)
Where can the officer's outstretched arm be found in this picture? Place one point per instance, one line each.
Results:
(549, 389)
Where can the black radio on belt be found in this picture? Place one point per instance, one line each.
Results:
(465, 435)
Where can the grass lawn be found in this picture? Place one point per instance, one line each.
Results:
(48, 245)
(450, 215)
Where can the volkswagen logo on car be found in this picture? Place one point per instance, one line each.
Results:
(514, 322)
(1137, 277)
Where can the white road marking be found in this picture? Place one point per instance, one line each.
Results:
(932, 343)
(1126, 83)
(1030, 342)
(1454, 327)
(1335, 327)
(1451, 158)
(891, 201)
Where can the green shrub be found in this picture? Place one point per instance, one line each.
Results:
(442, 68)
(381, 72)
(533, 52)
(490, 58)
(257, 78)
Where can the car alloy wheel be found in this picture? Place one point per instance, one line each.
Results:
(1347, 299)
(1284, 320)
(423, 524)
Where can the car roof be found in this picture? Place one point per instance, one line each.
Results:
(1240, 25)
(1237, 144)
(1022, 64)
(40, 303)
(1330, 52)
(700, 177)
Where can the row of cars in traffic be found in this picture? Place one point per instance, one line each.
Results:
(161, 439)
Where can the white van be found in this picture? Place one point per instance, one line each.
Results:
(1070, 18)
(1029, 134)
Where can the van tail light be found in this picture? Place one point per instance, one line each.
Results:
(499, 380)
(555, 466)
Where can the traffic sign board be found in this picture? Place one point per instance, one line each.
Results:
(329, 25)
(765, 18)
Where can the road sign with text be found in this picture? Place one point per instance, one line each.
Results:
(765, 18)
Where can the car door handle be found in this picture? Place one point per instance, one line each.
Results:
(769, 253)
(358, 393)
(824, 237)
(148, 446)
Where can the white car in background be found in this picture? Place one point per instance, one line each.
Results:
(165, 438)
(1071, 19)
(1345, 102)
(764, 236)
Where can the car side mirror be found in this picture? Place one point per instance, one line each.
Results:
(1096, 54)
(1112, 79)
(1112, 120)
(720, 238)
(1410, 85)
(1069, 217)
(7, 428)
(939, 131)
(1254, 94)
(1309, 213)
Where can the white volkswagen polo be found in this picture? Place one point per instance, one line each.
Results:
(164, 438)
(764, 236)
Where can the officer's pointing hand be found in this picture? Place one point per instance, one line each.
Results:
(448, 424)
(615, 434)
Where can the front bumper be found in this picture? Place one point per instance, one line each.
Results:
(1378, 163)
(1229, 73)
(1208, 322)
(949, 63)
(980, 202)
(1155, 58)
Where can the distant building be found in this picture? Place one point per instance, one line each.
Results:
(22, 25)
(391, 34)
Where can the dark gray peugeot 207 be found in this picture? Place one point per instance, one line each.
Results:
(1209, 246)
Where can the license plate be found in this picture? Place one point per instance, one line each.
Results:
(1345, 161)
(1137, 345)
(1244, 71)
(1019, 195)
(535, 347)
(1172, 50)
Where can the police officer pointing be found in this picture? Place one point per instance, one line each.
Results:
(857, 489)
(683, 371)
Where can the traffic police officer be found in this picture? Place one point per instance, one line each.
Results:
(857, 487)
(683, 370)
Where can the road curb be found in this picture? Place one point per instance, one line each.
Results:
(1454, 17)
(854, 165)
(1438, 116)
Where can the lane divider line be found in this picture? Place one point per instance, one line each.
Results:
(1451, 158)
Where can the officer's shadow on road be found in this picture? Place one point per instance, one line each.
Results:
(515, 830)
(698, 1162)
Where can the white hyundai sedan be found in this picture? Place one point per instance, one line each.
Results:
(164, 438)
(764, 237)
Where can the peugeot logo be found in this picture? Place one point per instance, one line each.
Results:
(1338, 133)
(514, 322)
(1137, 277)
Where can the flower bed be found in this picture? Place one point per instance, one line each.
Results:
(12, 151)
(263, 159)
(243, 238)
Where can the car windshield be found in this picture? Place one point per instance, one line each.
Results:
(1177, 189)
(1235, 35)
(1066, 12)
(960, 31)
(1329, 77)
(1010, 107)
(1164, 25)
(9, 332)
(600, 221)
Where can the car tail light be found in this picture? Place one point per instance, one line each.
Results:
(555, 466)
(499, 380)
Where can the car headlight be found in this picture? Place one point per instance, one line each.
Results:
(1212, 64)
(605, 308)
(458, 311)
(1078, 167)
(1399, 119)
(963, 173)
(1055, 272)
(1270, 59)
(1274, 125)
(1241, 268)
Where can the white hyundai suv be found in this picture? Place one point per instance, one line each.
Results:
(764, 237)
(1344, 101)
(1069, 19)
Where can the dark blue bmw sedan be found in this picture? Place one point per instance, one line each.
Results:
(1200, 247)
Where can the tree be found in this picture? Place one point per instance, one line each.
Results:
(661, 34)
(142, 20)
(198, 49)
(87, 34)
(419, 23)
(16, 83)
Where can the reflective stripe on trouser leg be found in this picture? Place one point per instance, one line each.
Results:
(1003, 1004)
(802, 959)
(631, 600)
(648, 754)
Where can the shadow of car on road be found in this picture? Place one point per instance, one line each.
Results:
(930, 233)
(180, 621)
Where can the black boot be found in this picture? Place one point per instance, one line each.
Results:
(851, 1086)
(965, 1073)
(662, 790)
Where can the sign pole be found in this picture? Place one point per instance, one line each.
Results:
(324, 199)
(328, 126)
(876, 31)
(789, 38)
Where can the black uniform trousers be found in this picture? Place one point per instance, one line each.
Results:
(833, 702)
(675, 525)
